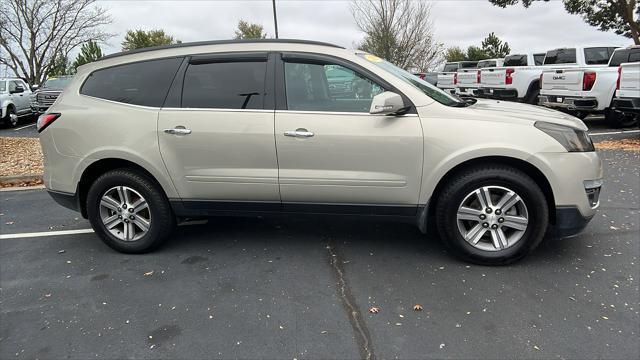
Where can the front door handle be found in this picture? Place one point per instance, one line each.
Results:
(178, 130)
(299, 133)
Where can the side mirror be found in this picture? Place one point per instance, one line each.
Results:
(34, 87)
(18, 89)
(386, 103)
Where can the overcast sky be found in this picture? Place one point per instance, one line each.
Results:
(461, 23)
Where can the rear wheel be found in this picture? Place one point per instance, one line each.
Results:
(532, 95)
(492, 215)
(129, 211)
(618, 119)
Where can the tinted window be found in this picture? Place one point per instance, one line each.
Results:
(3, 86)
(143, 83)
(225, 85)
(597, 56)
(328, 87)
(468, 64)
(486, 64)
(634, 56)
(538, 59)
(450, 67)
(560, 56)
(57, 83)
(515, 60)
(619, 57)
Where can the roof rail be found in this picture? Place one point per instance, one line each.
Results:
(219, 42)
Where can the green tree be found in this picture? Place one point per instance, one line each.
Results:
(455, 53)
(89, 52)
(138, 39)
(494, 47)
(250, 31)
(60, 66)
(475, 53)
(619, 16)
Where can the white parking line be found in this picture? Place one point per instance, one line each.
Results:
(24, 127)
(45, 233)
(616, 132)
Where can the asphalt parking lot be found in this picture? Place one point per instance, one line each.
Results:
(301, 288)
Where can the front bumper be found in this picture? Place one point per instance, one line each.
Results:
(569, 222)
(569, 102)
(631, 105)
(466, 91)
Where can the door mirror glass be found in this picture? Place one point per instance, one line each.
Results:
(34, 87)
(386, 103)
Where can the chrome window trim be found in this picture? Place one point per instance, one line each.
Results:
(118, 102)
(318, 112)
(217, 109)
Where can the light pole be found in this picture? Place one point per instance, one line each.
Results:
(275, 17)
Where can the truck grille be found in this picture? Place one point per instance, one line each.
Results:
(47, 98)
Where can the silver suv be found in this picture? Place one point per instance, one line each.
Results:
(142, 139)
(15, 96)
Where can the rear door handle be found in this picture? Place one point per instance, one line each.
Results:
(178, 130)
(299, 133)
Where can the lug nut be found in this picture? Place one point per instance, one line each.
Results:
(498, 211)
(126, 220)
(494, 226)
(124, 206)
(119, 216)
(488, 210)
(500, 220)
(483, 216)
(119, 210)
(132, 217)
(485, 225)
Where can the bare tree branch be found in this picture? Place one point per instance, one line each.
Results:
(35, 32)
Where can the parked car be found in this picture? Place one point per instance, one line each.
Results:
(142, 138)
(517, 79)
(448, 77)
(587, 88)
(468, 79)
(628, 87)
(431, 77)
(14, 100)
(45, 95)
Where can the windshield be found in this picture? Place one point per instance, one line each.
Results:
(428, 89)
(486, 64)
(450, 67)
(56, 83)
(515, 60)
(560, 56)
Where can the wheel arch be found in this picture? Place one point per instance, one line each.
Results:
(531, 170)
(97, 168)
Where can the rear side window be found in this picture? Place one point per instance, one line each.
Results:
(450, 68)
(598, 56)
(560, 56)
(624, 56)
(515, 60)
(225, 85)
(143, 83)
(3, 86)
(538, 59)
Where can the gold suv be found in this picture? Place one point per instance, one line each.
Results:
(141, 139)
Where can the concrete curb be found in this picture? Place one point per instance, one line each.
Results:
(14, 179)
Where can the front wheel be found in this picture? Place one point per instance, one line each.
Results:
(11, 118)
(492, 215)
(129, 211)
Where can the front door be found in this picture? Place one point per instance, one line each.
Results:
(335, 156)
(216, 139)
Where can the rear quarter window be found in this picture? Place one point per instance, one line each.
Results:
(143, 83)
(515, 60)
(560, 56)
(598, 55)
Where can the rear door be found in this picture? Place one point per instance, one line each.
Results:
(335, 156)
(216, 132)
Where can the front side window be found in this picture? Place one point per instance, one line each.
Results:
(560, 56)
(597, 56)
(327, 87)
(225, 85)
(143, 83)
(13, 85)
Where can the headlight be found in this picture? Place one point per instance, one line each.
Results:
(574, 140)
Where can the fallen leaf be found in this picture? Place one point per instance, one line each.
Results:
(10, 222)
(374, 309)
(148, 273)
(61, 252)
(536, 347)
(417, 307)
(605, 318)
(47, 295)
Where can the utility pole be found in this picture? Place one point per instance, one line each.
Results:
(275, 17)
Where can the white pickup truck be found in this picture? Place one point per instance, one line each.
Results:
(448, 77)
(628, 85)
(582, 81)
(517, 79)
(469, 78)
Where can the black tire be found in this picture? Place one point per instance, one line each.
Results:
(162, 219)
(618, 119)
(8, 120)
(471, 179)
(532, 95)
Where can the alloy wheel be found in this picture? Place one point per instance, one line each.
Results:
(492, 218)
(125, 213)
